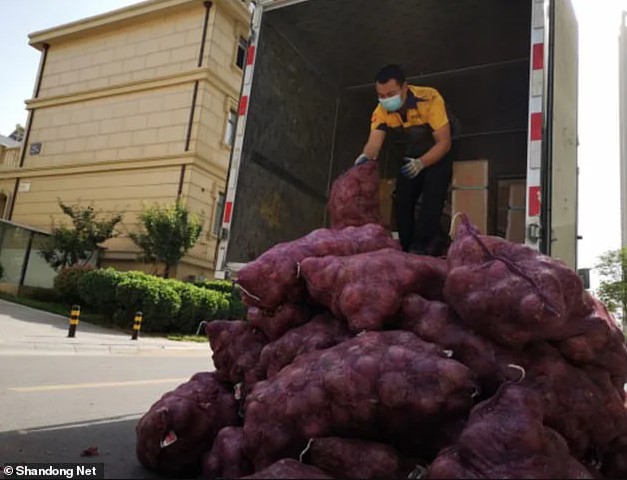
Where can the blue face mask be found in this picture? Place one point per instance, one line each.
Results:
(391, 104)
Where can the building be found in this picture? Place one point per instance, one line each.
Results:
(134, 107)
(9, 157)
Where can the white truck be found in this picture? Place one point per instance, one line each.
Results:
(507, 68)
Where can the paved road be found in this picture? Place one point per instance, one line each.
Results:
(59, 396)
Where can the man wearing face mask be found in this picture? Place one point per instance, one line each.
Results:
(418, 118)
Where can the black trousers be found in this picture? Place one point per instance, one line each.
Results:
(432, 182)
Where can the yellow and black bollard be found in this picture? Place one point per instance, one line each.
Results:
(137, 325)
(76, 312)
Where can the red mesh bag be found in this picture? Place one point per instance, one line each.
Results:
(367, 289)
(275, 323)
(226, 458)
(289, 468)
(511, 293)
(179, 428)
(434, 322)
(379, 385)
(236, 347)
(601, 345)
(582, 404)
(614, 464)
(505, 438)
(322, 332)
(274, 278)
(354, 197)
(352, 458)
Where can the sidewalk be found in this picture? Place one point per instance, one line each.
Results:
(28, 330)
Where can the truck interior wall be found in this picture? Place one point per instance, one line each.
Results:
(281, 193)
(492, 106)
(353, 127)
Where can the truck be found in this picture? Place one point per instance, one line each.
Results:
(508, 70)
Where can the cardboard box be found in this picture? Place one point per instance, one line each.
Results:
(517, 195)
(510, 194)
(515, 226)
(474, 203)
(471, 173)
(386, 202)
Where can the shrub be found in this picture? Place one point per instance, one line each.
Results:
(66, 282)
(97, 289)
(154, 296)
(222, 286)
(235, 310)
(167, 305)
(223, 308)
(198, 304)
(190, 311)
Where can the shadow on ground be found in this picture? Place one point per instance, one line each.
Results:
(114, 437)
(25, 313)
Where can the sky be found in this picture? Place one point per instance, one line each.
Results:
(21, 61)
(599, 219)
(598, 115)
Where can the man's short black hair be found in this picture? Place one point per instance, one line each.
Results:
(390, 72)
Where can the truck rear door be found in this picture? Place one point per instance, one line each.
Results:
(552, 154)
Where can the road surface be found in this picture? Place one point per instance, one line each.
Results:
(60, 396)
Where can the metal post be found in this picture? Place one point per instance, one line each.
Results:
(137, 325)
(29, 247)
(76, 312)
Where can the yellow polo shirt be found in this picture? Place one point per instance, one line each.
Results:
(425, 106)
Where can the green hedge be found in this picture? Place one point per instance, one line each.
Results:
(97, 289)
(155, 297)
(167, 305)
(222, 286)
(66, 283)
(198, 304)
(236, 308)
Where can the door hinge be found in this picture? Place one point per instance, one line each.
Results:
(534, 232)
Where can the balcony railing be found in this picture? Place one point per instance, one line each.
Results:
(9, 157)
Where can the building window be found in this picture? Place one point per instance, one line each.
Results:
(229, 134)
(241, 53)
(217, 221)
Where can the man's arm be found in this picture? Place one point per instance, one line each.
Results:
(374, 144)
(442, 137)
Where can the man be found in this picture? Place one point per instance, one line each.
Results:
(417, 116)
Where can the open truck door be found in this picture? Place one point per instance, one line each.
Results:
(308, 94)
(552, 155)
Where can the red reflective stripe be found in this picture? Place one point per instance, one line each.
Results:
(228, 209)
(535, 202)
(538, 56)
(251, 55)
(536, 126)
(243, 104)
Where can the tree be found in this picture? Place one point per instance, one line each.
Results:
(18, 133)
(167, 233)
(77, 245)
(612, 268)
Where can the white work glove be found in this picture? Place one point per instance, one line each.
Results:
(361, 159)
(412, 167)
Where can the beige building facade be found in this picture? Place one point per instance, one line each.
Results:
(131, 108)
